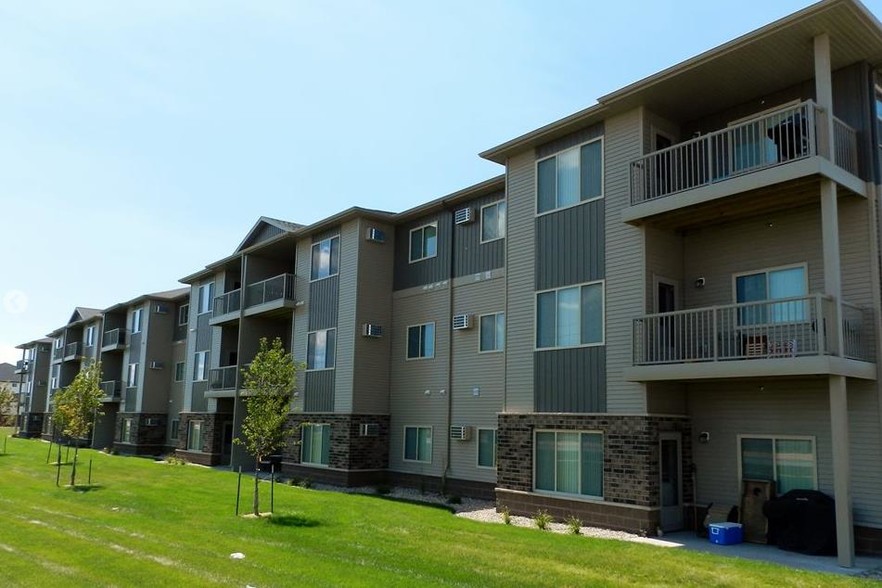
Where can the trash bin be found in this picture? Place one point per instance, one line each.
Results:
(803, 521)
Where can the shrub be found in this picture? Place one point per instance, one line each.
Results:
(542, 519)
(506, 515)
(454, 499)
(574, 524)
(305, 483)
(175, 460)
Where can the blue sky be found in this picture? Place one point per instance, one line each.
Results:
(140, 141)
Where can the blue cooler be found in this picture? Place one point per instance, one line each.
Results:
(725, 533)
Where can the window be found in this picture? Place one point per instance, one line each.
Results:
(492, 327)
(183, 315)
(194, 436)
(90, 336)
(421, 341)
(570, 177)
(424, 242)
(325, 258)
(486, 448)
(132, 379)
(570, 317)
(787, 282)
(206, 296)
(418, 444)
(179, 371)
(136, 320)
(174, 426)
(59, 343)
(126, 432)
(316, 444)
(200, 362)
(788, 461)
(321, 349)
(569, 462)
(53, 383)
(493, 221)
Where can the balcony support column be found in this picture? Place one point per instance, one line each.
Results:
(824, 94)
(841, 470)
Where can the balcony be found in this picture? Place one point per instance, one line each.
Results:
(769, 338)
(274, 296)
(113, 340)
(112, 390)
(222, 381)
(783, 146)
(22, 366)
(226, 307)
(73, 351)
(57, 353)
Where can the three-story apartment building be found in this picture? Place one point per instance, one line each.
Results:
(34, 371)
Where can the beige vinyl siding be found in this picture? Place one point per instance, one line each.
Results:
(350, 245)
(664, 259)
(856, 261)
(374, 306)
(784, 407)
(409, 403)
(301, 316)
(484, 371)
(520, 290)
(625, 269)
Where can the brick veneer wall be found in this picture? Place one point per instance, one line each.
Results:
(212, 436)
(630, 470)
(149, 439)
(33, 424)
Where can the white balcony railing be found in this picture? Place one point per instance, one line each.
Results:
(276, 288)
(785, 328)
(786, 135)
(227, 303)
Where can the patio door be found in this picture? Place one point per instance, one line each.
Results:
(671, 487)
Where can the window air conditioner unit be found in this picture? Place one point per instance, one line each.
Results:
(369, 330)
(40, 383)
(463, 216)
(161, 309)
(376, 235)
(151, 422)
(460, 433)
(156, 365)
(369, 430)
(462, 322)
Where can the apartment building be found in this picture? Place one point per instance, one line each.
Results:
(33, 371)
(11, 379)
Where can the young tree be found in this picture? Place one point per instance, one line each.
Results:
(77, 406)
(269, 382)
(7, 399)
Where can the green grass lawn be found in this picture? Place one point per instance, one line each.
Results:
(151, 524)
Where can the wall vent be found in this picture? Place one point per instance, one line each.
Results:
(463, 216)
(156, 365)
(369, 430)
(151, 422)
(460, 433)
(462, 322)
(376, 235)
(369, 330)
(160, 308)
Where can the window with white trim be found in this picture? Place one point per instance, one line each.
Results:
(180, 366)
(493, 221)
(183, 315)
(136, 320)
(486, 448)
(200, 364)
(127, 429)
(790, 462)
(421, 341)
(321, 349)
(132, 377)
(772, 284)
(174, 427)
(492, 332)
(90, 336)
(315, 443)
(570, 177)
(206, 298)
(325, 258)
(569, 462)
(418, 444)
(194, 436)
(59, 343)
(570, 317)
(423, 242)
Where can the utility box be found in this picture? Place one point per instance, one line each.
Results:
(725, 533)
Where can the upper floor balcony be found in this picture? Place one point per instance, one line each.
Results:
(774, 148)
(57, 353)
(226, 307)
(275, 295)
(796, 336)
(22, 366)
(113, 340)
(222, 381)
(73, 351)
(112, 390)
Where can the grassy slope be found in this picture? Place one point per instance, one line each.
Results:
(154, 524)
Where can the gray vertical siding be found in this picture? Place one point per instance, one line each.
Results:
(470, 256)
(570, 246)
(324, 301)
(347, 286)
(427, 271)
(571, 380)
(319, 393)
(301, 317)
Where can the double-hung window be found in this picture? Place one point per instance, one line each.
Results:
(173, 429)
(418, 444)
(132, 377)
(492, 336)
(421, 341)
(569, 462)
(194, 436)
(206, 298)
(570, 317)
(424, 242)
(321, 349)
(493, 221)
(200, 364)
(126, 433)
(486, 448)
(773, 284)
(325, 258)
(183, 315)
(90, 336)
(136, 320)
(788, 461)
(179, 371)
(570, 177)
(315, 444)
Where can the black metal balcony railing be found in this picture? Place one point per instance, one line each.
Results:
(22, 366)
(223, 378)
(73, 350)
(784, 136)
(276, 288)
(112, 389)
(113, 339)
(782, 328)
(227, 303)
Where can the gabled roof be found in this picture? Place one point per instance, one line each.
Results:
(33, 343)
(7, 372)
(82, 313)
(264, 228)
(168, 295)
